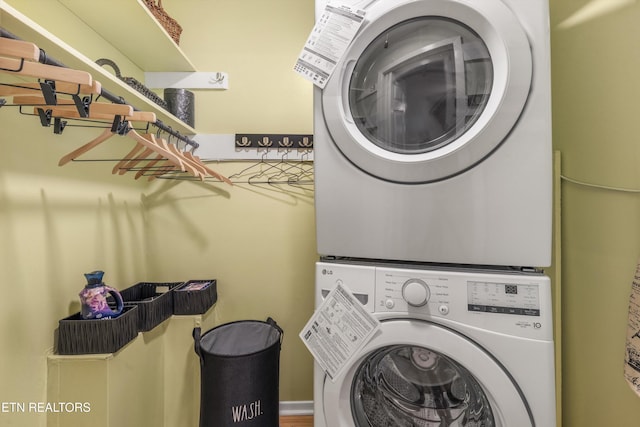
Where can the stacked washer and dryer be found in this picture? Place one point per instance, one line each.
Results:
(433, 190)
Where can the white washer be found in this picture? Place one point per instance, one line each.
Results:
(433, 135)
(455, 348)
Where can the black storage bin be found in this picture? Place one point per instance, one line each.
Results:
(240, 374)
(154, 301)
(91, 336)
(194, 297)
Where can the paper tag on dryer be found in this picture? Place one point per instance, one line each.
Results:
(331, 36)
(338, 329)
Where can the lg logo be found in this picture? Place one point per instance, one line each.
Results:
(326, 272)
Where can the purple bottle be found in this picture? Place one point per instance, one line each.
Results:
(94, 298)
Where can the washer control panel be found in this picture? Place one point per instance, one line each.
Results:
(408, 291)
(511, 303)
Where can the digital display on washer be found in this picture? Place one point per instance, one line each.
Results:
(505, 298)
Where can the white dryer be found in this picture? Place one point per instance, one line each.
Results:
(455, 348)
(433, 135)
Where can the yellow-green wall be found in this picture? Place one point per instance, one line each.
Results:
(57, 223)
(595, 126)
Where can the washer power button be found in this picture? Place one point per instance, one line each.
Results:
(443, 309)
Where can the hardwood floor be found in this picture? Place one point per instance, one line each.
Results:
(297, 421)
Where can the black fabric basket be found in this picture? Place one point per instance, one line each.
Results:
(239, 374)
(88, 336)
(186, 302)
(138, 86)
(154, 301)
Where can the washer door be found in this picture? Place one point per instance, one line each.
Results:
(415, 373)
(429, 89)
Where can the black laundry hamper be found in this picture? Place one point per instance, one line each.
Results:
(240, 374)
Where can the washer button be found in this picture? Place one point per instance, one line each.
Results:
(389, 303)
(443, 309)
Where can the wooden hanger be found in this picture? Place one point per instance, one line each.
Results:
(141, 153)
(149, 141)
(137, 154)
(207, 171)
(191, 160)
(70, 113)
(62, 88)
(97, 110)
(19, 49)
(160, 169)
(44, 71)
(188, 164)
(106, 134)
(151, 166)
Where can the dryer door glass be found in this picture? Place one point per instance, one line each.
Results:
(420, 85)
(408, 386)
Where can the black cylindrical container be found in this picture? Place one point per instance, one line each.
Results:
(240, 374)
(181, 103)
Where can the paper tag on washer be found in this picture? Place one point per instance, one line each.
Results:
(338, 329)
(331, 36)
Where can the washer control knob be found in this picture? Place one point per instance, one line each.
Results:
(415, 292)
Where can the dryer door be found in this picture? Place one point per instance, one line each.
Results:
(429, 88)
(415, 373)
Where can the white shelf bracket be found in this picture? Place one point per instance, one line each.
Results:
(187, 80)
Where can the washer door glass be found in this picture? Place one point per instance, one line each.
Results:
(410, 386)
(420, 85)
(428, 89)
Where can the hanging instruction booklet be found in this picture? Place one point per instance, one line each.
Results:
(338, 329)
(331, 36)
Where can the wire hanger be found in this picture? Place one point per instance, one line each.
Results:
(259, 164)
(264, 173)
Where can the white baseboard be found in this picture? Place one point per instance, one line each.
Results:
(296, 407)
